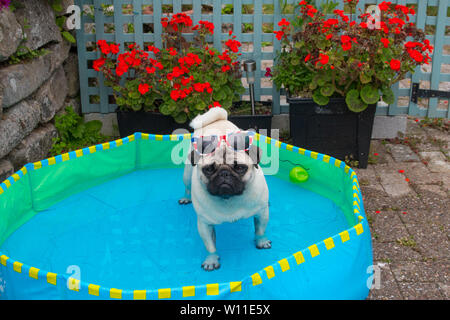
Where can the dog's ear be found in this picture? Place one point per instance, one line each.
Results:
(193, 157)
(255, 153)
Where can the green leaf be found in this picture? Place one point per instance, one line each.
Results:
(320, 99)
(93, 126)
(388, 95)
(68, 37)
(327, 90)
(369, 94)
(164, 109)
(136, 107)
(134, 95)
(354, 103)
(180, 118)
(200, 106)
(365, 78)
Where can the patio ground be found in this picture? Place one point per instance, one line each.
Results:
(406, 190)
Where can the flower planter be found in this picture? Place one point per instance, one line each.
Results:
(256, 122)
(131, 121)
(332, 129)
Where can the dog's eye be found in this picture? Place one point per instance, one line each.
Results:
(209, 170)
(240, 168)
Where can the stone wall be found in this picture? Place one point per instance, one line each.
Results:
(34, 90)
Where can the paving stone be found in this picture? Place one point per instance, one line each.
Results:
(393, 252)
(420, 291)
(393, 182)
(418, 173)
(402, 153)
(436, 161)
(445, 290)
(431, 239)
(388, 289)
(388, 227)
(368, 177)
(407, 271)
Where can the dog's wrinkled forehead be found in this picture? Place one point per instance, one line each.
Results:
(225, 155)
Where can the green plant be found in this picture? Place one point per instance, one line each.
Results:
(61, 20)
(74, 133)
(342, 57)
(182, 80)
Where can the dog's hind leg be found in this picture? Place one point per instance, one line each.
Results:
(261, 221)
(187, 177)
(208, 235)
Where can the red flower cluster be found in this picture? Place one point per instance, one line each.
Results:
(307, 9)
(177, 21)
(233, 45)
(204, 25)
(285, 26)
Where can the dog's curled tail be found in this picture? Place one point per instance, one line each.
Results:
(212, 115)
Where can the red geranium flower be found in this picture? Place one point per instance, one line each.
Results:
(385, 42)
(395, 64)
(143, 88)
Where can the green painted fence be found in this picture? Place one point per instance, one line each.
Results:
(138, 21)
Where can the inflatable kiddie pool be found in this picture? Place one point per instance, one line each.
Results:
(104, 223)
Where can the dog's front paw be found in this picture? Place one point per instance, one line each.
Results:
(184, 201)
(263, 243)
(211, 262)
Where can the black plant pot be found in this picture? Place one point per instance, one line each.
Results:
(332, 129)
(147, 122)
(256, 122)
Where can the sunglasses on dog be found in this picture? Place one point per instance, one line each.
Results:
(238, 141)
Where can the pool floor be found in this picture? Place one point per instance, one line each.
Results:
(131, 233)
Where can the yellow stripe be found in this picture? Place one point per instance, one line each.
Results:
(346, 169)
(24, 170)
(353, 174)
(139, 294)
(37, 165)
(284, 264)
(277, 144)
(1, 190)
(131, 138)
(115, 293)
(268, 140)
(65, 156)
(257, 136)
(7, 183)
(270, 272)
(355, 195)
(236, 286)
(105, 145)
(74, 284)
(359, 229)
(164, 293)
(256, 279)
(301, 151)
(119, 142)
(92, 149)
(15, 176)
(51, 161)
(355, 203)
(145, 136)
(51, 278)
(212, 289)
(94, 290)
(79, 153)
(326, 158)
(344, 236)
(355, 211)
(314, 155)
(33, 273)
(329, 243)
(3, 259)
(299, 257)
(314, 250)
(189, 291)
(360, 218)
(173, 137)
(289, 147)
(337, 163)
(17, 266)
(187, 136)
(158, 137)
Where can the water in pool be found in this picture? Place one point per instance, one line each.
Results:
(131, 233)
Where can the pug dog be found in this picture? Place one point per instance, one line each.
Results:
(224, 181)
